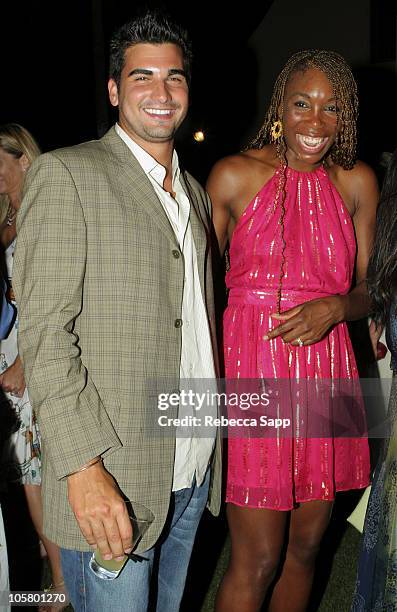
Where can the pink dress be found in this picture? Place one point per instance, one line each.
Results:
(281, 469)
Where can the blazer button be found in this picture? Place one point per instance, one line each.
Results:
(178, 323)
(176, 254)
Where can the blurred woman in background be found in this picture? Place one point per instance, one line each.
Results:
(22, 462)
(376, 586)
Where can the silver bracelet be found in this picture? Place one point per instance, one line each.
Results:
(86, 466)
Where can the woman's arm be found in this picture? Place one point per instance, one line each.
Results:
(232, 184)
(220, 189)
(364, 192)
(12, 379)
(7, 234)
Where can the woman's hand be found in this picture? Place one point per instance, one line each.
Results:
(307, 323)
(375, 332)
(12, 379)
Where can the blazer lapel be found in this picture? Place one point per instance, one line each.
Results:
(197, 222)
(136, 184)
(199, 231)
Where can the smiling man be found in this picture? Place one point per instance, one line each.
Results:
(113, 279)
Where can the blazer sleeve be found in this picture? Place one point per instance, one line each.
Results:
(48, 279)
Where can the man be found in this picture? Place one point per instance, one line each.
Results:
(113, 279)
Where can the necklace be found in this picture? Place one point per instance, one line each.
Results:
(11, 214)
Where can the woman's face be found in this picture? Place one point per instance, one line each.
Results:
(12, 172)
(310, 121)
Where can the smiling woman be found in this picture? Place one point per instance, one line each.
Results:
(309, 117)
(293, 205)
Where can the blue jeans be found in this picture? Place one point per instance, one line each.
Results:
(154, 583)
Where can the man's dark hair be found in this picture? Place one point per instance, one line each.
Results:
(153, 27)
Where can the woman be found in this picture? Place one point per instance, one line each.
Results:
(8, 424)
(293, 205)
(376, 587)
(18, 149)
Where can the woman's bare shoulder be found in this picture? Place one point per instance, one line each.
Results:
(357, 186)
(360, 172)
(241, 168)
(239, 163)
(356, 182)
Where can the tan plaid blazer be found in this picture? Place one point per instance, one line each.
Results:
(98, 277)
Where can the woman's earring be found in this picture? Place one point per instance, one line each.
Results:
(276, 130)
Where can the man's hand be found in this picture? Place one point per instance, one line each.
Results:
(100, 511)
(12, 379)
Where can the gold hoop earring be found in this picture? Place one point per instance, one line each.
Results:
(276, 130)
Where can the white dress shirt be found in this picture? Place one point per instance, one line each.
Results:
(192, 453)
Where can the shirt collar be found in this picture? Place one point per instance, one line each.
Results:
(148, 164)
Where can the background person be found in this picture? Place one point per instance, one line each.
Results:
(377, 571)
(8, 423)
(18, 149)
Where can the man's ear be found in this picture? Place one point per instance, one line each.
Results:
(113, 92)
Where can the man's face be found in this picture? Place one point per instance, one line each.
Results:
(153, 94)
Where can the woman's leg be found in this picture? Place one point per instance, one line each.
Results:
(257, 537)
(307, 527)
(33, 496)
